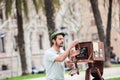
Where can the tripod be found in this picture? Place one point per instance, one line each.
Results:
(95, 70)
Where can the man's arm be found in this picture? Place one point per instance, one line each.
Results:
(73, 53)
(66, 53)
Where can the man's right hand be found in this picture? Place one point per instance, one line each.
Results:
(73, 53)
(73, 43)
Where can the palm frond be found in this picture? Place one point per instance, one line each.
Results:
(1, 1)
(56, 4)
(18, 6)
(25, 8)
(8, 7)
(41, 4)
(36, 5)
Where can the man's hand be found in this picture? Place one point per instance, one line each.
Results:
(73, 44)
(69, 64)
(73, 53)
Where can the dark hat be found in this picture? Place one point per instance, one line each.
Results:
(57, 33)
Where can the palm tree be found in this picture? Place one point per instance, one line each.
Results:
(108, 30)
(104, 38)
(50, 15)
(50, 6)
(49, 9)
(21, 44)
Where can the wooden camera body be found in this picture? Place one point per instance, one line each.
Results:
(90, 50)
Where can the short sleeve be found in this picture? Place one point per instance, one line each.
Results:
(50, 56)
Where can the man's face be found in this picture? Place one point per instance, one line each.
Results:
(59, 40)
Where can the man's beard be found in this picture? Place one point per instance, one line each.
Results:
(59, 45)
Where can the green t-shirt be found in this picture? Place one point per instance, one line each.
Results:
(54, 70)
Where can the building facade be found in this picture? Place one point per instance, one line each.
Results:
(75, 18)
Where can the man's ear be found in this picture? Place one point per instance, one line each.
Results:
(53, 41)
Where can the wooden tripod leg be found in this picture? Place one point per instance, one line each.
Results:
(87, 76)
(76, 67)
(98, 71)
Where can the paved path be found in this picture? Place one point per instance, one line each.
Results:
(108, 73)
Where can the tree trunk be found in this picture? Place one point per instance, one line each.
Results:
(108, 30)
(98, 21)
(50, 16)
(21, 43)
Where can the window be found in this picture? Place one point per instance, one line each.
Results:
(4, 67)
(14, 16)
(2, 44)
(15, 43)
(1, 14)
(72, 36)
(40, 41)
(95, 36)
(93, 22)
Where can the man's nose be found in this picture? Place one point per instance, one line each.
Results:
(62, 40)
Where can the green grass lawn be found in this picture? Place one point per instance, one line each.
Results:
(26, 77)
(115, 65)
(40, 75)
(114, 78)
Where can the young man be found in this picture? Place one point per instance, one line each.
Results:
(54, 58)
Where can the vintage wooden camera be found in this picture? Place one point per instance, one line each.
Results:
(93, 54)
(90, 50)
